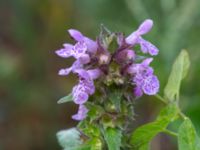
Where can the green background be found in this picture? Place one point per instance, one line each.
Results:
(30, 32)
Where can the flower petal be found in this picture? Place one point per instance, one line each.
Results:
(147, 61)
(147, 47)
(94, 73)
(66, 51)
(151, 85)
(64, 72)
(76, 35)
(79, 49)
(125, 55)
(138, 91)
(91, 45)
(132, 38)
(84, 59)
(79, 94)
(82, 113)
(82, 74)
(145, 27)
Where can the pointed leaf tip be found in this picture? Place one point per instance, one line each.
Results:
(65, 99)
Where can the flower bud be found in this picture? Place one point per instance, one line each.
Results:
(104, 59)
(125, 55)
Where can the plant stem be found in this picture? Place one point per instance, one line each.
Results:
(170, 132)
(181, 115)
(161, 98)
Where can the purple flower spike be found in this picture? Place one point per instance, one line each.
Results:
(110, 65)
(82, 113)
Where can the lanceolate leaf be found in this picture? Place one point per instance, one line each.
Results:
(142, 136)
(187, 138)
(65, 99)
(179, 71)
(113, 138)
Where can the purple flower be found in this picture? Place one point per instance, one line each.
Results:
(144, 28)
(80, 96)
(147, 47)
(66, 51)
(95, 59)
(76, 65)
(140, 68)
(125, 55)
(81, 51)
(143, 78)
(90, 44)
(150, 85)
(86, 86)
(78, 51)
(135, 38)
(82, 113)
(94, 73)
(145, 83)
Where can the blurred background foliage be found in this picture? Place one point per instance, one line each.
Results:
(30, 32)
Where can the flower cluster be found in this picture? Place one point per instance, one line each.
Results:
(94, 58)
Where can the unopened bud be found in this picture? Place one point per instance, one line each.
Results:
(104, 59)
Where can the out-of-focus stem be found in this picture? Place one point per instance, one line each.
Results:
(170, 132)
(161, 98)
(181, 115)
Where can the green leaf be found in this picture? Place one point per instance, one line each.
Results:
(115, 97)
(142, 136)
(95, 144)
(197, 143)
(95, 111)
(65, 99)
(89, 129)
(113, 138)
(187, 137)
(69, 139)
(179, 71)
